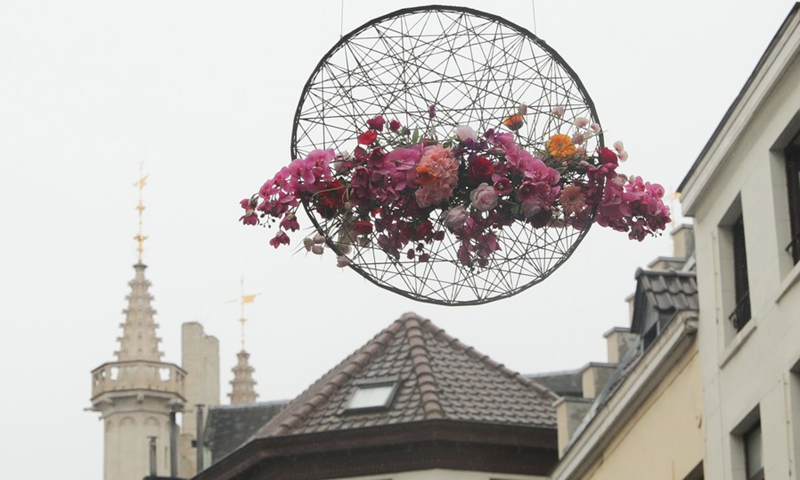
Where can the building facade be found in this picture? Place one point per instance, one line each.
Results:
(744, 195)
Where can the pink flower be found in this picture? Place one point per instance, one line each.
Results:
(531, 207)
(290, 222)
(483, 198)
(502, 185)
(251, 219)
(619, 146)
(280, 239)
(464, 132)
(438, 174)
(581, 122)
(595, 127)
(455, 217)
(558, 112)
(572, 199)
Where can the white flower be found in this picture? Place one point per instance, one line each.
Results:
(619, 146)
(595, 127)
(623, 155)
(465, 131)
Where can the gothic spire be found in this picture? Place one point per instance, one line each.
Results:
(139, 340)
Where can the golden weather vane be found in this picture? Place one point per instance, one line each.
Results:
(140, 237)
(242, 300)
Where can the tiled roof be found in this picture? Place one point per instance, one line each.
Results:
(440, 378)
(669, 290)
(229, 426)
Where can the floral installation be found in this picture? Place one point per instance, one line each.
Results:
(403, 192)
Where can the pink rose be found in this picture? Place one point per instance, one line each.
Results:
(455, 217)
(483, 198)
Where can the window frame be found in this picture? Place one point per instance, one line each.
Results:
(792, 161)
(759, 474)
(742, 312)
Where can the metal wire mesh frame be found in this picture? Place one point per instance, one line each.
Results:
(349, 85)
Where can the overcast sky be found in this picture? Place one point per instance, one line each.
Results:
(204, 93)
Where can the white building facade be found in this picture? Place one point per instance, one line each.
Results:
(744, 195)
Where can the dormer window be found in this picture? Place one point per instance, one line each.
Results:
(372, 395)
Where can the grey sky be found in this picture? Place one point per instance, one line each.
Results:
(204, 93)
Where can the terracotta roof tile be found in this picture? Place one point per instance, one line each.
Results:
(440, 378)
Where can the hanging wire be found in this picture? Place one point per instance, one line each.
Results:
(341, 21)
(533, 13)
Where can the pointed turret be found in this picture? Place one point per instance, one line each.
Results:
(243, 385)
(138, 394)
(139, 340)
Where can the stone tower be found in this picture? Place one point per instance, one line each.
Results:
(136, 393)
(243, 385)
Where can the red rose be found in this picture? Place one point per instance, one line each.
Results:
(480, 170)
(330, 198)
(394, 125)
(368, 137)
(376, 123)
(606, 155)
(362, 227)
(424, 229)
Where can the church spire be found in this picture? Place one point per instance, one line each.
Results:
(243, 385)
(139, 340)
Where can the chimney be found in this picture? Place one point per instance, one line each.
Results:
(570, 412)
(619, 341)
(595, 376)
(683, 241)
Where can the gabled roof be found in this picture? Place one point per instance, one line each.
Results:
(666, 291)
(440, 378)
(229, 426)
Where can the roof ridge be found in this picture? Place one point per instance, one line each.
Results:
(421, 364)
(289, 418)
(440, 334)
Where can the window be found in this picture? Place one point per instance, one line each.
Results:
(792, 154)
(372, 395)
(753, 453)
(741, 313)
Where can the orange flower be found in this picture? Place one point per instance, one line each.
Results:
(514, 122)
(426, 176)
(561, 146)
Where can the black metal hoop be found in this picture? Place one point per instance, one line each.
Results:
(475, 69)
